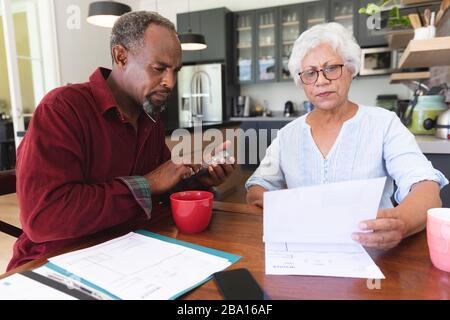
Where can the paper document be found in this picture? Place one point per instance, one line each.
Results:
(138, 266)
(19, 287)
(307, 231)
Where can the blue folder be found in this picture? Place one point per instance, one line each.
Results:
(232, 258)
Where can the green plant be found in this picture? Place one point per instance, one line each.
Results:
(395, 19)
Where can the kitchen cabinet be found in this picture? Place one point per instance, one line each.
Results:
(291, 25)
(441, 162)
(213, 25)
(265, 132)
(265, 37)
(256, 48)
(266, 45)
(317, 12)
(345, 12)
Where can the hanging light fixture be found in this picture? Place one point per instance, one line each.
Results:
(105, 13)
(192, 41)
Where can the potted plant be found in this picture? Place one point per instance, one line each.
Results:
(395, 20)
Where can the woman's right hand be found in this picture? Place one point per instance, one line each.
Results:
(255, 195)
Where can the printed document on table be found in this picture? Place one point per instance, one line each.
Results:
(307, 230)
(138, 266)
(20, 287)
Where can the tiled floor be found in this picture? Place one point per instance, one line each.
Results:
(9, 212)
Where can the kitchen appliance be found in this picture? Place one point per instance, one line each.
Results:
(200, 93)
(241, 106)
(374, 61)
(442, 125)
(424, 114)
(288, 109)
(387, 101)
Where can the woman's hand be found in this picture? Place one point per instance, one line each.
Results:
(388, 230)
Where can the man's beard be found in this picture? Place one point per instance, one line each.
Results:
(151, 109)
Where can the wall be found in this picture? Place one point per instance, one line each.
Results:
(82, 49)
(364, 89)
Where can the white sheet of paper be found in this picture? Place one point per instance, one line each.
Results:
(333, 260)
(139, 267)
(308, 230)
(327, 213)
(19, 287)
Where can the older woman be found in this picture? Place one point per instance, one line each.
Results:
(341, 140)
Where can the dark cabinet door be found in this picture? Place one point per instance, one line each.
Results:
(441, 162)
(345, 12)
(372, 30)
(316, 12)
(268, 131)
(248, 145)
(266, 45)
(212, 24)
(244, 23)
(186, 22)
(290, 26)
(213, 27)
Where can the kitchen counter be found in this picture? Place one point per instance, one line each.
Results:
(190, 126)
(276, 116)
(431, 144)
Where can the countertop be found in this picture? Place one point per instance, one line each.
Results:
(431, 144)
(190, 126)
(276, 116)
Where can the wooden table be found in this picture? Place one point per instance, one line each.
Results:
(237, 229)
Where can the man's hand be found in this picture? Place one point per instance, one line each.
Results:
(388, 230)
(219, 171)
(167, 175)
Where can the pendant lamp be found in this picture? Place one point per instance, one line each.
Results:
(105, 13)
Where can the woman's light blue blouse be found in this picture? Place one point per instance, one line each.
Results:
(373, 143)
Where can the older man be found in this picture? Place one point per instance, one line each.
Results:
(95, 155)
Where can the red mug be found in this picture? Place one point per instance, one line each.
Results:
(192, 210)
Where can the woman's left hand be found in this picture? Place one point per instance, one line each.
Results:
(388, 230)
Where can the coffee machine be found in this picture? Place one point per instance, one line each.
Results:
(241, 106)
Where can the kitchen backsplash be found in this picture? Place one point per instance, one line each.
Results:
(364, 90)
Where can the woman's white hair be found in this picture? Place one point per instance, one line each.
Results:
(333, 34)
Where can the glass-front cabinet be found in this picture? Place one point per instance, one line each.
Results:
(244, 46)
(317, 13)
(266, 48)
(291, 25)
(343, 12)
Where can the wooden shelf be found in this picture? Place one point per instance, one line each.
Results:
(291, 23)
(426, 53)
(266, 26)
(399, 39)
(345, 17)
(409, 76)
(244, 29)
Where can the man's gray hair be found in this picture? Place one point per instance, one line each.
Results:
(333, 34)
(130, 28)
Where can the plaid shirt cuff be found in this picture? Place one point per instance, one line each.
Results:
(140, 188)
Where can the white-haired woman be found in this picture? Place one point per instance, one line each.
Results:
(342, 140)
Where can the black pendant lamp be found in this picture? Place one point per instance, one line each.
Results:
(191, 41)
(105, 13)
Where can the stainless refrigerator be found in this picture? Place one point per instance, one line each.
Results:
(200, 93)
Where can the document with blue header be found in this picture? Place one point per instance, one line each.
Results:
(139, 265)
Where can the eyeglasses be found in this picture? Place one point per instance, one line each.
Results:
(331, 72)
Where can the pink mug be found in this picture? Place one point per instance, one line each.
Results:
(192, 210)
(438, 236)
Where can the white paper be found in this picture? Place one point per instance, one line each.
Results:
(19, 287)
(333, 260)
(308, 230)
(139, 267)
